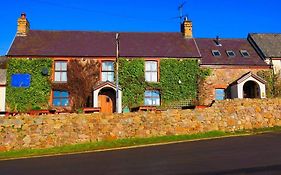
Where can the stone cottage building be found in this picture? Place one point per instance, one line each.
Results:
(83, 67)
(96, 51)
(234, 64)
(2, 84)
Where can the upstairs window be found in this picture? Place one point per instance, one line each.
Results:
(152, 98)
(60, 71)
(151, 71)
(216, 53)
(60, 98)
(230, 53)
(244, 53)
(107, 73)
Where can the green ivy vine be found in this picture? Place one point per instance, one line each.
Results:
(178, 80)
(37, 95)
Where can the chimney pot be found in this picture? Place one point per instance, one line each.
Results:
(23, 15)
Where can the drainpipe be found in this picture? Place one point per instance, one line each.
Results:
(273, 76)
(117, 76)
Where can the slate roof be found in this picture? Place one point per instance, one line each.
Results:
(269, 44)
(207, 45)
(102, 44)
(3, 62)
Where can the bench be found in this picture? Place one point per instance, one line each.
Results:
(39, 112)
(147, 108)
(91, 109)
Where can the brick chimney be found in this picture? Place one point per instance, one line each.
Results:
(186, 28)
(23, 25)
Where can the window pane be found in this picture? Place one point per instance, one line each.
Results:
(56, 102)
(63, 76)
(147, 66)
(220, 94)
(154, 76)
(64, 94)
(57, 66)
(147, 93)
(147, 101)
(64, 102)
(157, 102)
(110, 76)
(56, 94)
(153, 65)
(155, 94)
(64, 66)
(103, 76)
(108, 66)
(57, 76)
(147, 76)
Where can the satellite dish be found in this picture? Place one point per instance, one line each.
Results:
(45, 71)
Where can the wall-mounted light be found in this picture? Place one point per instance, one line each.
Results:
(45, 71)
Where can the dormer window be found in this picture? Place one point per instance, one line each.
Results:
(244, 53)
(216, 53)
(230, 53)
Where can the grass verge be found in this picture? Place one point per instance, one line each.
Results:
(92, 146)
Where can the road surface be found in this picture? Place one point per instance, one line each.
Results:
(255, 155)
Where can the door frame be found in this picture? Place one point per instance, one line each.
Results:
(103, 85)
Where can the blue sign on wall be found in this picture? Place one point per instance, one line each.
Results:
(20, 80)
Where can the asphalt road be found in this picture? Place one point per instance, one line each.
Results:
(260, 154)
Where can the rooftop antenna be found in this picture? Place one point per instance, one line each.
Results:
(180, 8)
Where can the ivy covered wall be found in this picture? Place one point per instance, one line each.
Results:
(22, 99)
(178, 80)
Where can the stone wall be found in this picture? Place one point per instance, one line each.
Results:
(17, 132)
(220, 78)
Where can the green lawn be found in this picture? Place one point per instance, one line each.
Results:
(126, 143)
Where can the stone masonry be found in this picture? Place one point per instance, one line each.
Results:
(45, 131)
(220, 78)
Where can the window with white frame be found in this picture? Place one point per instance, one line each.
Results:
(230, 53)
(216, 53)
(152, 98)
(60, 71)
(151, 71)
(60, 98)
(244, 53)
(107, 73)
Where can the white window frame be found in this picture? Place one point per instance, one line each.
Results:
(213, 52)
(155, 100)
(60, 71)
(230, 51)
(243, 53)
(107, 74)
(151, 71)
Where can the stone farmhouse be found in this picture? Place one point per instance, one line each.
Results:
(82, 71)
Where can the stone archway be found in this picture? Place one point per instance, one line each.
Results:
(251, 89)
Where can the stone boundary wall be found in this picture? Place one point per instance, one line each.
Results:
(17, 132)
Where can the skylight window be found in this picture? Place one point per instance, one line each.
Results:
(230, 53)
(244, 53)
(216, 53)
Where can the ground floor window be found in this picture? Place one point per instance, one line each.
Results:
(60, 98)
(152, 98)
(220, 94)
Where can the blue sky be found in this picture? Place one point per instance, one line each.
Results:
(226, 18)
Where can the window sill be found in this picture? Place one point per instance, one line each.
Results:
(57, 82)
